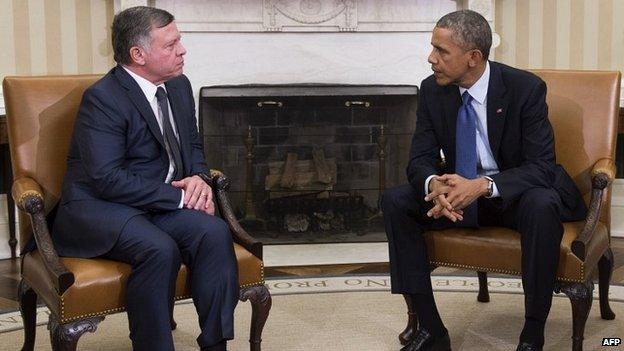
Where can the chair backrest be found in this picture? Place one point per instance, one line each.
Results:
(40, 115)
(583, 107)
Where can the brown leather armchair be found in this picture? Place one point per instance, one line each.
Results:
(81, 292)
(583, 109)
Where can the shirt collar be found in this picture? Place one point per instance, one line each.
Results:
(479, 89)
(148, 88)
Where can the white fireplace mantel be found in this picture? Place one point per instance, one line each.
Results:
(307, 41)
(310, 41)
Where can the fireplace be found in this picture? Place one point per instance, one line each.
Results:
(308, 162)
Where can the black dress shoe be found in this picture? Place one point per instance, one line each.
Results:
(525, 346)
(423, 341)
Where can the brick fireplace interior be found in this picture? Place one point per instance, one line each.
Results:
(308, 162)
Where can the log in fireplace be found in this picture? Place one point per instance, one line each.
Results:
(308, 162)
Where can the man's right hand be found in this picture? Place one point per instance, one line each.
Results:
(197, 194)
(438, 191)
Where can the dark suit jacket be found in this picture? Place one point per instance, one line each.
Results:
(520, 136)
(117, 163)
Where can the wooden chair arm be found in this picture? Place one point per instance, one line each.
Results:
(29, 198)
(220, 183)
(603, 174)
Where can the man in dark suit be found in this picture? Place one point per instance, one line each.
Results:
(134, 191)
(491, 123)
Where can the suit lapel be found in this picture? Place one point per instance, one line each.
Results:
(497, 102)
(140, 102)
(177, 107)
(451, 102)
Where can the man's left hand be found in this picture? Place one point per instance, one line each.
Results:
(463, 191)
(197, 194)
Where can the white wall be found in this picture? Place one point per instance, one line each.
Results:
(4, 229)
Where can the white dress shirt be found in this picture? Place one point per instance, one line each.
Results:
(486, 163)
(149, 89)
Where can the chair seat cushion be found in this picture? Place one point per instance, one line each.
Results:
(496, 249)
(100, 284)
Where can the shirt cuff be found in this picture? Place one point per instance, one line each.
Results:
(181, 205)
(427, 183)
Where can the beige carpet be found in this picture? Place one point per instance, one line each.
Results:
(363, 321)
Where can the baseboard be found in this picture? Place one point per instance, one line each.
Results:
(2, 110)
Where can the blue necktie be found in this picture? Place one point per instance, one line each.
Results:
(466, 152)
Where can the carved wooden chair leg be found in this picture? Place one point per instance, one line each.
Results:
(581, 296)
(484, 294)
(28, 307)
(64, 337)
(605, 269)
(261, 302)
(412, 322)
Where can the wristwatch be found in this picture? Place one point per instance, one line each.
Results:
(490, 187)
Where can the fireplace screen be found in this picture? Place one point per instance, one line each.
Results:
(308, 163)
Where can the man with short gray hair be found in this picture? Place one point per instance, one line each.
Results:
(491, 122)
(134, 190)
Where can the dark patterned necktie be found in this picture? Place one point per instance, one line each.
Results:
(173, 147)
(466, 152)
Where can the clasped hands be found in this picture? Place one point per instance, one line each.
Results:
(451, 193)
(197, 194)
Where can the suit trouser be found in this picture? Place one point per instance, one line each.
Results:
(536, 215)
(155, 245)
